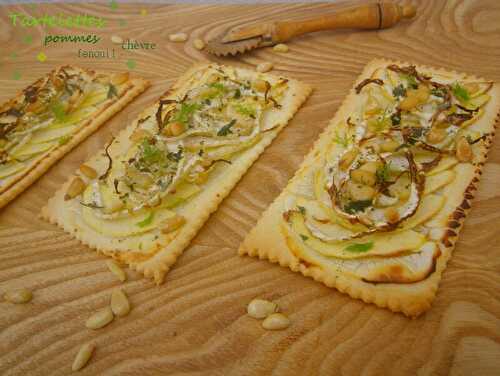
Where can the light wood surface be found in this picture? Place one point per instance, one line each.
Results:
(195, 323)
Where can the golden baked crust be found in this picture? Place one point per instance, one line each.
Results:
(153, 252)
(15, 184)
(393, 285)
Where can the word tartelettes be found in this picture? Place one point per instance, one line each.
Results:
(59, 20)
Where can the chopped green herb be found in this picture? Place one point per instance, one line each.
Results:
(58, 111)
(382, 173)
(245, 110)
(359, 247)
(64, 139)
(399, 91)
(303, 237)
(302, 210)
(217, 85)
(226, 129)
(356, 206)
(460, 92)
(411, 80)
(341, 140)
(382, 123)
(396, 118)
(112, 91)
(217, 89)
(185, 112)
(146, 221)
(151, 153)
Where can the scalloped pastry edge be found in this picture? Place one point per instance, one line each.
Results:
(40, 165)
(159, 264)
(410, 299)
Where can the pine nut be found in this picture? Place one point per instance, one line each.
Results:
(414, 97)
(100, 319)
(261, 86)
(281, 47)
(423, 93)
(389, 145)
(260, 308)
(119, 78)
(116, 39)
(76, 188)
(464, 150)
(178, 37)
(119, 303)
(264, 67)
(199, 44)
(436, 135)
(83, 356)
(391, 215)
(88, 171)
(360, 192)
(276, 321)
(371, 166)
(174, 129)
(20, 296)
(364, 177)
(172, 223)
(115, 268)
(347, 159)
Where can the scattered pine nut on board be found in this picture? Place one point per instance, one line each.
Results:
(196, 322)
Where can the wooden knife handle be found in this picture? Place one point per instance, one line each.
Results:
(371, 16)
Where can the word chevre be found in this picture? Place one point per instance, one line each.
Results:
(138, 45)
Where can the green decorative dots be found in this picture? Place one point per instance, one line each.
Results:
(16, 75)
(41, 57)
(28, 39)
(113, 5)
(131, 64)
(13, 55)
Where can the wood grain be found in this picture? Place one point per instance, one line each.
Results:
(195, 324)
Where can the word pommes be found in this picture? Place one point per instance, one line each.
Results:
(61, 20)
(90, 38)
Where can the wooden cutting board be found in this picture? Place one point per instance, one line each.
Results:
(195, 323)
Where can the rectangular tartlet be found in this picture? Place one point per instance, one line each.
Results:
(151, 189)
(53, 115)
(376, 207)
